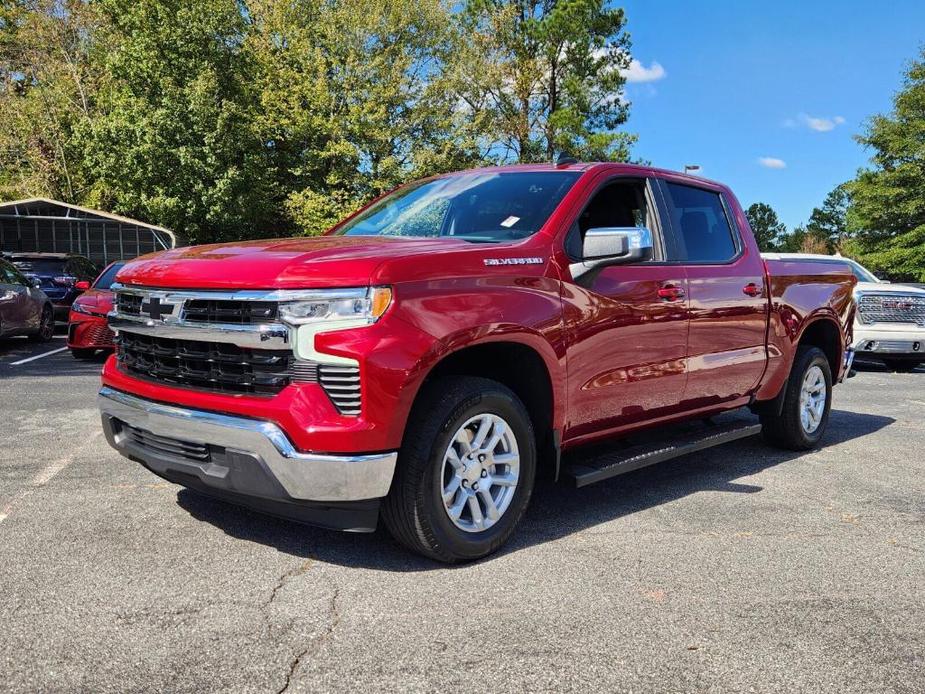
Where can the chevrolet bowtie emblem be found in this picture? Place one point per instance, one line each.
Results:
(155, 309)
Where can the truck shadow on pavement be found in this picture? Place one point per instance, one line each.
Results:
(557, 510)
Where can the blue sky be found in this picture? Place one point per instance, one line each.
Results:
(728, 84)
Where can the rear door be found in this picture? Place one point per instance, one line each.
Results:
(726, 287)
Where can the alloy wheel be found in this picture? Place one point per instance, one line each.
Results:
(481, 467)
(813, 395)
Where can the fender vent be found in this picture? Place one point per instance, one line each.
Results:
(342, 384)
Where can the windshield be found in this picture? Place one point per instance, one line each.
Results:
(487, 207)
(105, 280)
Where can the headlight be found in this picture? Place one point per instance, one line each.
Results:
(361, 305)
(77, 308)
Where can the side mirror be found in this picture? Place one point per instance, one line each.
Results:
(605, 246)
(82, 285)
(35, 282)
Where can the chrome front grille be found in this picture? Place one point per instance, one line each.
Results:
(227, 342)
(891, 308)
(129, 304)
(342, 384)
(229, 311)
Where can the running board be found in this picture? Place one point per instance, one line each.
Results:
(590, 467)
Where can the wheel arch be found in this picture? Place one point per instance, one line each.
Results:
(824, 332)
(524, 369)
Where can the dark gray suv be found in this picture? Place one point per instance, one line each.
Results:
(24, 308)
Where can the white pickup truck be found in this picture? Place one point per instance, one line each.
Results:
(889, 324)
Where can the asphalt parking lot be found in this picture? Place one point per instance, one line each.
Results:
(739, 569)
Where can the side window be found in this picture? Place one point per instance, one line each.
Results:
(618, 204)
(700, 224)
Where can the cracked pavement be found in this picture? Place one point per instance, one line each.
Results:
(738, 569)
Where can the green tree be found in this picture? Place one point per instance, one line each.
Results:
(536, 77)
(765, 225)
(887, 211)
(228, 119)
(50, 84)
(829, 222)
(177, 142)
(353, 99)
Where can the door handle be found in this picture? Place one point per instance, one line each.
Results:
(752, 289)
(670, 292)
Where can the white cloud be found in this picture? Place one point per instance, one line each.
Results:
(819, 124)
(637, 72)
(772, 163)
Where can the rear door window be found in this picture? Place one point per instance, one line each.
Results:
(700, 225)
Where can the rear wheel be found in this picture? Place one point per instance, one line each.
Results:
(465, 471)
(807, 400)
(902, 366)
(46, 326)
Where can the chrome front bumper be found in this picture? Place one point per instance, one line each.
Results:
(166, 435)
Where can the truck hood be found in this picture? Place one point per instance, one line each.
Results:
(886, 288)
(303, 263)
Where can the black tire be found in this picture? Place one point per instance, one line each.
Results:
(902, 366)
(83, 354)
(413, 511)
(46, 326)
(786, 430)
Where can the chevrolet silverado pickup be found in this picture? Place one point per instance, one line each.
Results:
(429, 357)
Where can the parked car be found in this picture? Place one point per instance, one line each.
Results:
(24, 308)
(58, 275)
(87, 331)
(890, 321)
(432, 354)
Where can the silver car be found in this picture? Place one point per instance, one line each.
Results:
(24, 309)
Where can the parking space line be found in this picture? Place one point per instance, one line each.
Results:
(43, 477)
(38, 356)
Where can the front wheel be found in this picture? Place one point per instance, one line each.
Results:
(807, 401)
(465, 470)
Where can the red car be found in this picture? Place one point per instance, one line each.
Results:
(431, 355)
(87, 331)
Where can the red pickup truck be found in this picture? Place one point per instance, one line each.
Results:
(428, 357)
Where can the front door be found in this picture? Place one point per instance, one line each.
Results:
(626, 324)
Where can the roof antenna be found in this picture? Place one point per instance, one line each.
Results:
(564, 159)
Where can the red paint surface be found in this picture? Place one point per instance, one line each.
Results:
(91, 331)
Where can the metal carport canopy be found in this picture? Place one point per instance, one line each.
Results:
(46, 225)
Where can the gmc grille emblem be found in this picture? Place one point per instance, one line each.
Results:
(896, 303)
